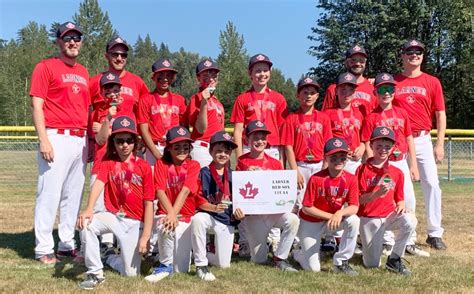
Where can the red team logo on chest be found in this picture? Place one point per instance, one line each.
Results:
(76, 89)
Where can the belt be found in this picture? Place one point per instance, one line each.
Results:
(202, 143)
(71, 132)
(417, 134)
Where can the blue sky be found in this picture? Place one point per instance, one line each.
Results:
(278, 28)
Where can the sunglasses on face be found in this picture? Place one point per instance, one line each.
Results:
(411, 52)
(69, 38)
(121, 141)
(117, 54)
(358, 59)
(382, 90)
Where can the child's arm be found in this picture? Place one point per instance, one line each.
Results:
(104, 132)
(335, 221)
(400, 207)
(146, 136)
(147, 226)
(238, 129)
(201, 121)
(371, 196)
(87, 215)
(414, 173)
(217, 208)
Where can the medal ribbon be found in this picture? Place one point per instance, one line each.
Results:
(175, 180)
(347, 130)
(223, 186)
(394, 126)
(166, 110)
(308, 133)
(123, 182)
(218, 109)
(260, 110)
(330, 197)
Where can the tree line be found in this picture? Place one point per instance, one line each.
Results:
(380, 26)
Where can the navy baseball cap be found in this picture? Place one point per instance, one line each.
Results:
(256, 126)
(413, 44)
(109, 78)
(307, 81)
(356, 49)
(259, 58)
(124, 124)
(382, 133)
(346, 78)
(206, 64)
(335, 145)
(178, 134)
(223, 137)
(67, 27)
(162, 64)
(117, 40)
(384, 78)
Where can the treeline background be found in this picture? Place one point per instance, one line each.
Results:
(446, 28)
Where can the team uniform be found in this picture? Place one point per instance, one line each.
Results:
(127, 187)
(307, 134)
(258, 227)
(65, 91)
(161, 114)
(421, 97)
(269, 107)
(329, 194)
(215, 123)
(379, 215)
(364, 98)
(347, 124)
(215, 189)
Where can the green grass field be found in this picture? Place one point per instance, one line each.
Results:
(448, 271)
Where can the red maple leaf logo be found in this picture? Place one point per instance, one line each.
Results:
(248, 192)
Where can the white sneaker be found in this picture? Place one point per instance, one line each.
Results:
(159, 273)
(204, 274)
(358, 249)
(416, 251)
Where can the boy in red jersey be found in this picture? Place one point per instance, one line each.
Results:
(304, 134)
(324, 210)
(205, 112)
(257, 227)
(382, 205)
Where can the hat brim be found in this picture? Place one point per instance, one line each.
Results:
(261, 61)
(416, 46)
(179, 139)
(208, 68)
(110, 82)
(68, 30)
(385, 83)
(347, 83)
(336, 151)
(354, 53)
(382, 137)
(165, 69)
(232, 144)
(318, 86)
(125, 130)
(258, 130)
(116, 44)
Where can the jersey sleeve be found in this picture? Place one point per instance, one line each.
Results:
(362, 185)
(353, 193)
(148, 186)
(407, 130)
(329, 97)
(191, 181)
(192, 110)
(103, 174)
(288, 132)
(144, 106)
(327, 132)
(398, 193)
(160, 175)
(367, 127)
(311, 192)
(183, 118)
(437, 103)
(282, 110)
(40, 81)
(238, 112)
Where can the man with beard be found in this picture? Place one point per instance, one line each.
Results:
(364, 99)
(60, 100)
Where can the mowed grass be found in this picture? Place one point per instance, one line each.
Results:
(451, 270)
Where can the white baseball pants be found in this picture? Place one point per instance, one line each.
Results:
(127, 232)
(175, 248)
(372, 231)
(60, 185)
(429, 184)
(307, 170)
(310, 241)
(223, 236)
(351, 166)
(201, 153)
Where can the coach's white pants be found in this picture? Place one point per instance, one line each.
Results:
(373, 229)
(410, 201)
(60, 185)
(200, 153)
(258, 227)
(351, 166)
(310, 241)
(175, 248)
(307, 170)
(127, 232)
(429, 184)
(223, 236)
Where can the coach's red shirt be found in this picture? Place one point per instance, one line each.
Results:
(127, 186)
(370, 178)
(420, 97)
(266, 163)
(307, 134)
(329, 194)
(161, 114)
(65, 91)
(364, 97)
(215, 116)
(172, 178)
(346, 124)
(268, 107)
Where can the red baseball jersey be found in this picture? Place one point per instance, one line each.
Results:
(420, 97)
(133, 89)
(172, 178)
(161, 114)
(370, 178)
(65, 91)
(127, 186)
(266, 163)
(364, 97)
(329, 194)
(346, 124)
(395, 118)
(215, 116)
(268, 107)
(307, 134)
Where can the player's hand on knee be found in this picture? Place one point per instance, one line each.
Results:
(239, 214)
(335, 221)
(400, 208)
(84, 219)
(46, 150)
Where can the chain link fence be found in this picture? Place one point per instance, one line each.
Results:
(19, 172)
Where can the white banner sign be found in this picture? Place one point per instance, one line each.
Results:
(264, 192)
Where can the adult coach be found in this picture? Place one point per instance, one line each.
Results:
(364, 99)
(421, 95)
(60, 100)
